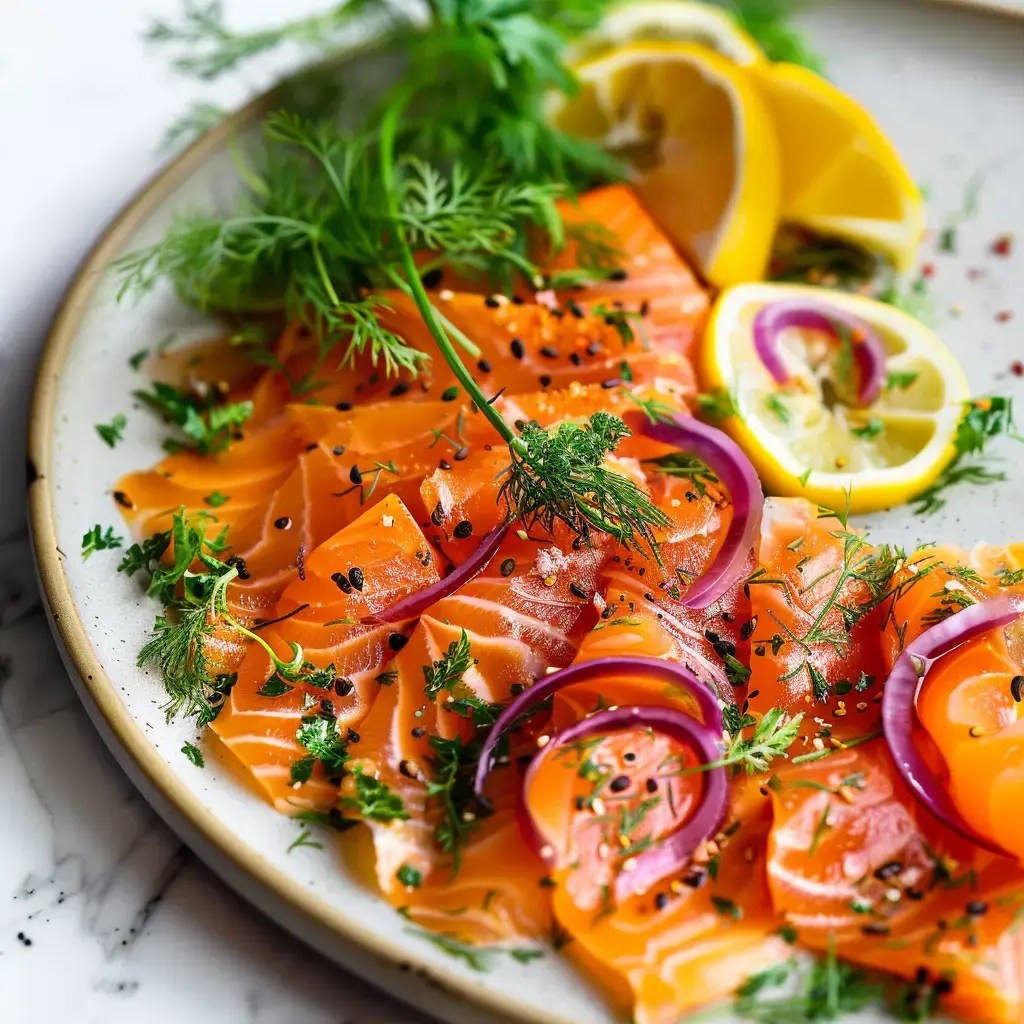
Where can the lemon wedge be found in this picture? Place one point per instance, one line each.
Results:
(681, 21)
(841, 175)
(698, 135)
(801, 437)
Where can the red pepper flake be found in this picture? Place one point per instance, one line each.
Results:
(1003, 246)
(1017, 368)
(975, 273)
(1004, 316)
(927, 270)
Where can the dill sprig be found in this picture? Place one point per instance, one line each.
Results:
(984, 419)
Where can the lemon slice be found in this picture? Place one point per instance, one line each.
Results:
(801, 438)
(841, 175)
(676, 20)
(698, 135)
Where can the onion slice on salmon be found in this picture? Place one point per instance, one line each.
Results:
(726, 459)
(414, 605)
(703, 733)
(899, 702)
(670, 854)
(775, 317)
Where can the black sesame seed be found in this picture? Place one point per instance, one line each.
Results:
(578, 591)
(728, 617)
(356, 577)
(580, 803)
(759, 650)
(549, 352)
(483, 366)
(432, 278)
(747, 629)
(943, 986)
(491, 302)
(508, 566)
(629, 758)
(515, 689)
(462, 453)
(123, 500)
(593, 348)
(645, 308)
(516, 346)
(652, 785)
(437, 516)
(661, 901)
(921, 976)
(463, 530)
(977, 908)
(557, 314)
(695, 878)
(1017, 688)
(444, 464)
(327, 708)
(618, 275)
(609, 611)
(544, 380)
(450, 394)
(355, 476)
(312, 447)
(343, 406)
(648, 596)
(283, 523)
(419, 732)
(343, 687)
(914, 894)
(875, 928)
(338, 449)
(574, 308)
(517, 300)
(408, 769)
(575, 358)
(399, 389)
(612, 382)
(342, 583)
(396, 641)
(619, 783)
(239, 564)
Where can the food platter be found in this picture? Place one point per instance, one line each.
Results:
(895, 58)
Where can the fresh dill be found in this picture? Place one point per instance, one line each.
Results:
(194, 754)
(98, 539)
(984, 419)
(447, 672)
(304, 838)
(689, 467)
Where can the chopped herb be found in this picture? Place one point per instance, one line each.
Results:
(688, 467)
(772, 737)
(112, 432)
(374, 800)
(447, 672)
(805, 476)
(136, 361)
(726, 907)
(454, 764)
(216, 499)
(823, 826)
(717, 404)
(409, 876)
(194, 754)
(305, 838)
(777, 405)
(900, 380)
(872, 429)
(207, 424)
(321, 739)
(98, 539)
(275, 686)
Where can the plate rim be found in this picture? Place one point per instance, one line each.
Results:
(220, 847)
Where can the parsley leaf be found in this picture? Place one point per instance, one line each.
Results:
(447, 672)
(374, 800)
(319, 735)
(208, 425)
(112, 432)
(97, 539)
(194, 754)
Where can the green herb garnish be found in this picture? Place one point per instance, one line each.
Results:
(112, 432)
(98, 539)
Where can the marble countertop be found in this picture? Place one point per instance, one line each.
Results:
(104, 917)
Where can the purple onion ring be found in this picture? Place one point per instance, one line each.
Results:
(727, 461)
(414, 605)
(672, 852)
(899, 701)
(775, 317)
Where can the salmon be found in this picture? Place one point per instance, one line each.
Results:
(654, 283)
(322, 611)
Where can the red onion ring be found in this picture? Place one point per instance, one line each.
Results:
(899, 701)
(670, 854)
(726, 459)
(775, 317)
(414, 605)
(583, 671)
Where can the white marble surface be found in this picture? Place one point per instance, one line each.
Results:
(103, 916)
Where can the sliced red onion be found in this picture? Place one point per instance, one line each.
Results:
(727, 461)
(899, 702)
(416, 604)
(671, 853)
(656, 669)
(775, 317)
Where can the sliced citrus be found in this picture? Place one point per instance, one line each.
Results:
(683, 21)
(698, 135)
(803, 436)
(841, 174)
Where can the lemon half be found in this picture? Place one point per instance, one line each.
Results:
(841, 175)
(697, 133)
(803, 441)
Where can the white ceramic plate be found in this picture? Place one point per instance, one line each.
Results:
(948, 85)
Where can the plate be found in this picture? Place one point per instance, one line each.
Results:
(938, 78)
